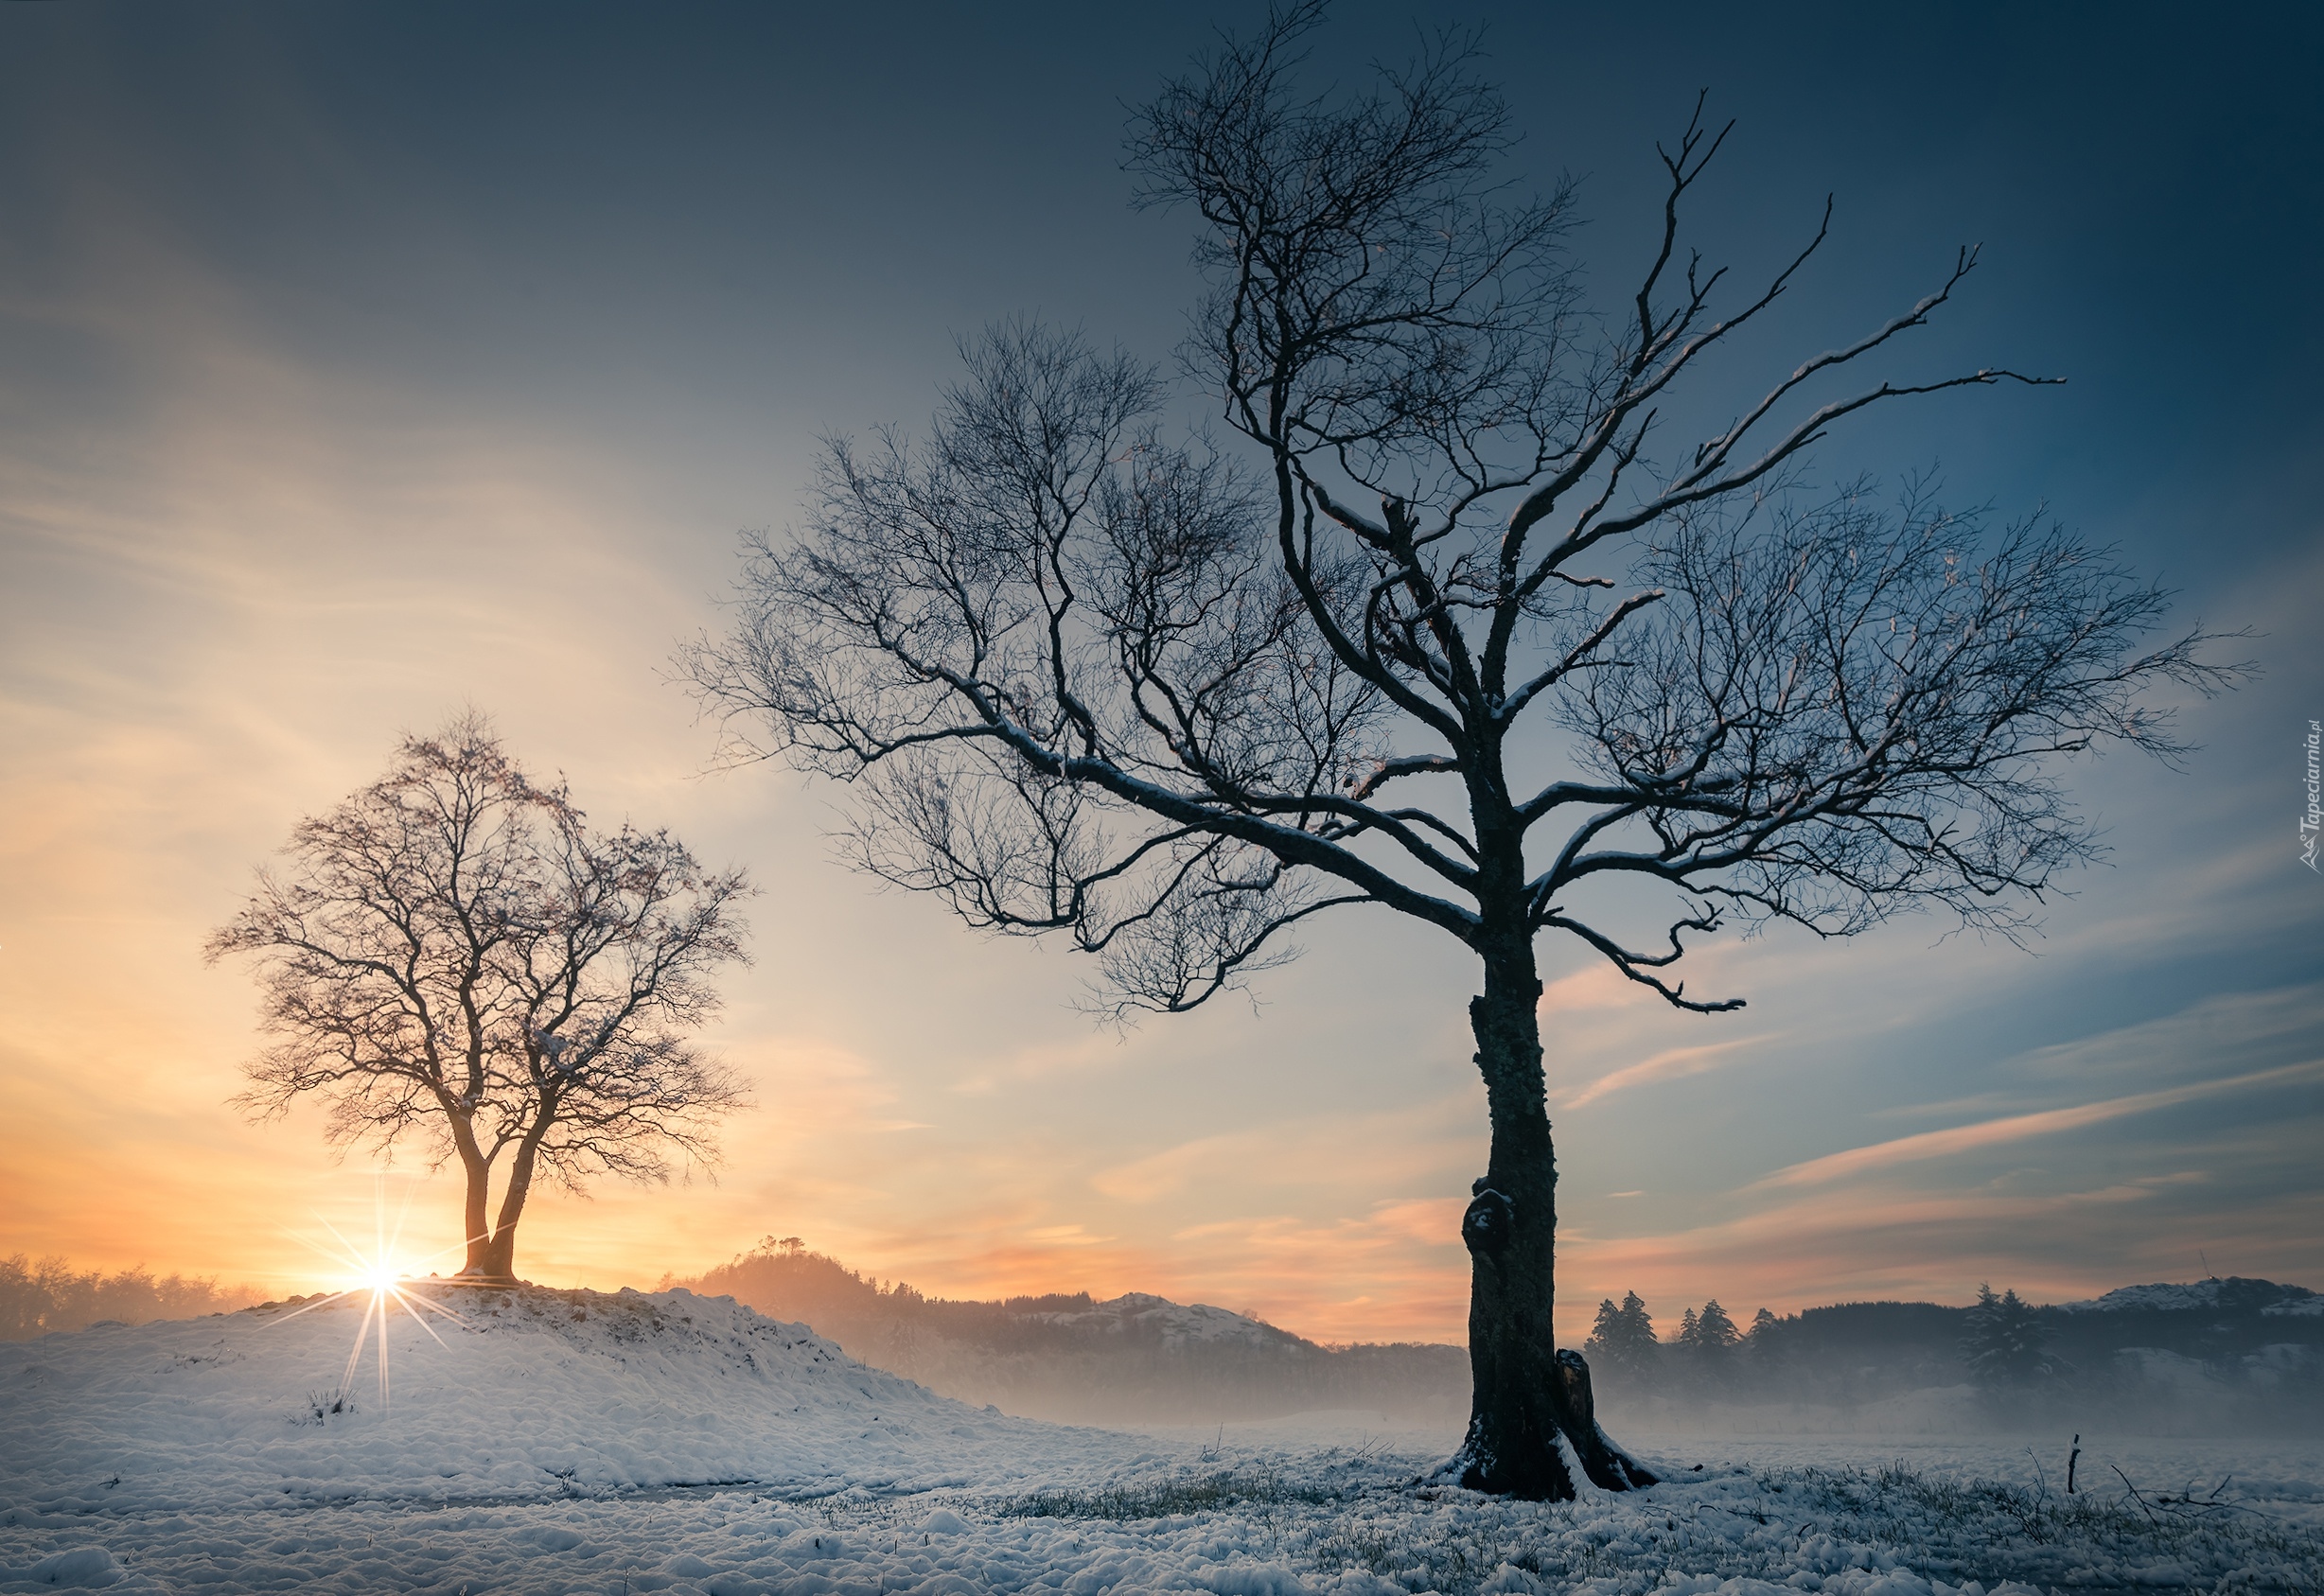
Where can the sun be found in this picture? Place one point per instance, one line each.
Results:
(378, 1274)
(376, 1278)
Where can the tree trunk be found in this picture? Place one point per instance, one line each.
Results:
(1531, 1417)
(479, 1172)
(500, 1256)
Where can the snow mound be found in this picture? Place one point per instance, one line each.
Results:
(2159, 1296)
(531, 1392)
(2234, 1296)
(1146, 1317)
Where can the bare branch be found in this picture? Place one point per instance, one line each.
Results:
(1641, 967)
(1093, 682)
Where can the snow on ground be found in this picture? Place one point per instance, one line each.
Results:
(2165, 1297)
(573, 1442)
(531, 1390)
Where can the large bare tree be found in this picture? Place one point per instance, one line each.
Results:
(1452, 631)
(454, 955)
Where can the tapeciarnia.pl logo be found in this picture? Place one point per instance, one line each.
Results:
(2308, 822)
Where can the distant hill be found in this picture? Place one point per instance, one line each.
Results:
(2234, 1296)
(2200, 1357)
(1135, 1358)
(2214, 1354)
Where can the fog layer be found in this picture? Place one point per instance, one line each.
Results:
(2214, 1358)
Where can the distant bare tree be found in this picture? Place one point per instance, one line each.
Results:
(454, 954)
(1457, 641)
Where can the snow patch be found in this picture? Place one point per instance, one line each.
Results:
(2232, 1294)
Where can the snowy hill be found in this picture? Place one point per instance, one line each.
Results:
(2234, 1296)
(1137, 1359)
(533, 1391)
(1140, 1316)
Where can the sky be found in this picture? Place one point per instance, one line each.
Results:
(359, 363)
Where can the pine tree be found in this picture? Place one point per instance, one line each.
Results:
(1605, 1333)
(1763, 1329)
(2002, 1342)
(1623, 1337)
(1638, 1325)
(1708, 1338)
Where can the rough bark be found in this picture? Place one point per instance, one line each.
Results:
(1532, 1419)
(499, 1253)
(480, 1236)
(479, 1171)
(497, 1266)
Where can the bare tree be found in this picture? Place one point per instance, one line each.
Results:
(1169, 700)
(453, 954)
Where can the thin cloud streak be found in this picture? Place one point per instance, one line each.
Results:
(2016, 1128)
(1675, 1064)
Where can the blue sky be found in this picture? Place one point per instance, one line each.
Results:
(359, 362)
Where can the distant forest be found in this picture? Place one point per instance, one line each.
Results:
(40, 1297)
(2232, 1355)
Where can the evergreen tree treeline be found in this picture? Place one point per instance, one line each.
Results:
(1623, 1337)
(2003, 1344)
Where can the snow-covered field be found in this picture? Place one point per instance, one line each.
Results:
(578, 1442)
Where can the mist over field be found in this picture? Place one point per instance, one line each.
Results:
(2216, 1357)
(2211, 1358)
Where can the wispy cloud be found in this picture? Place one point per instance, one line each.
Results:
(2017, 1128)
(2226, 1026)
(1671, 1064)
(1596, 985)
